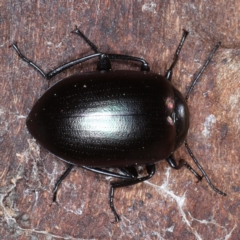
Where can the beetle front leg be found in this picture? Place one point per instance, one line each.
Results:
(150, 171)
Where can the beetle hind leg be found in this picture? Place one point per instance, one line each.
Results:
(64, 175)
(32, 64)
(125, 183)
(108, 57)
(57, 70)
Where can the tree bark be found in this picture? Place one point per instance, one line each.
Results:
(171, 205)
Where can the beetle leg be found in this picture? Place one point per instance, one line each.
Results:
(91, 44)
(130, 171)
(203, 172)
(104, 63)
(107, 173)
(150, 171)
(64, 175)
(32, 64)
(182, 163)
(168, 74)
(144, 67)
(73, 63)
(58, 69)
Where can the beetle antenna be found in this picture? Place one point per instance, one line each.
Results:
(203, 172)
(168, 74)
(202, 70)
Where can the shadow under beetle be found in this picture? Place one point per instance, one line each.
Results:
(121, 119)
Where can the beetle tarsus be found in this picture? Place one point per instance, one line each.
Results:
(111, 197)
(32, 64)
(91, 44)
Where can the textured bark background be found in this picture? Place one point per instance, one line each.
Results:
(169, 206)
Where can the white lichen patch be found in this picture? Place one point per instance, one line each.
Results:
(208, 124)
(149, 7)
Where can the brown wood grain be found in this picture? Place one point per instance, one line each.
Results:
(169, 206)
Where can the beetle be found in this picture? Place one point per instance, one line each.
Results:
(121, 119)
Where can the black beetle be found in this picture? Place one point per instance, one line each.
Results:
(119, 119)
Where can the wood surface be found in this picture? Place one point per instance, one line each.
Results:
(169, 206)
